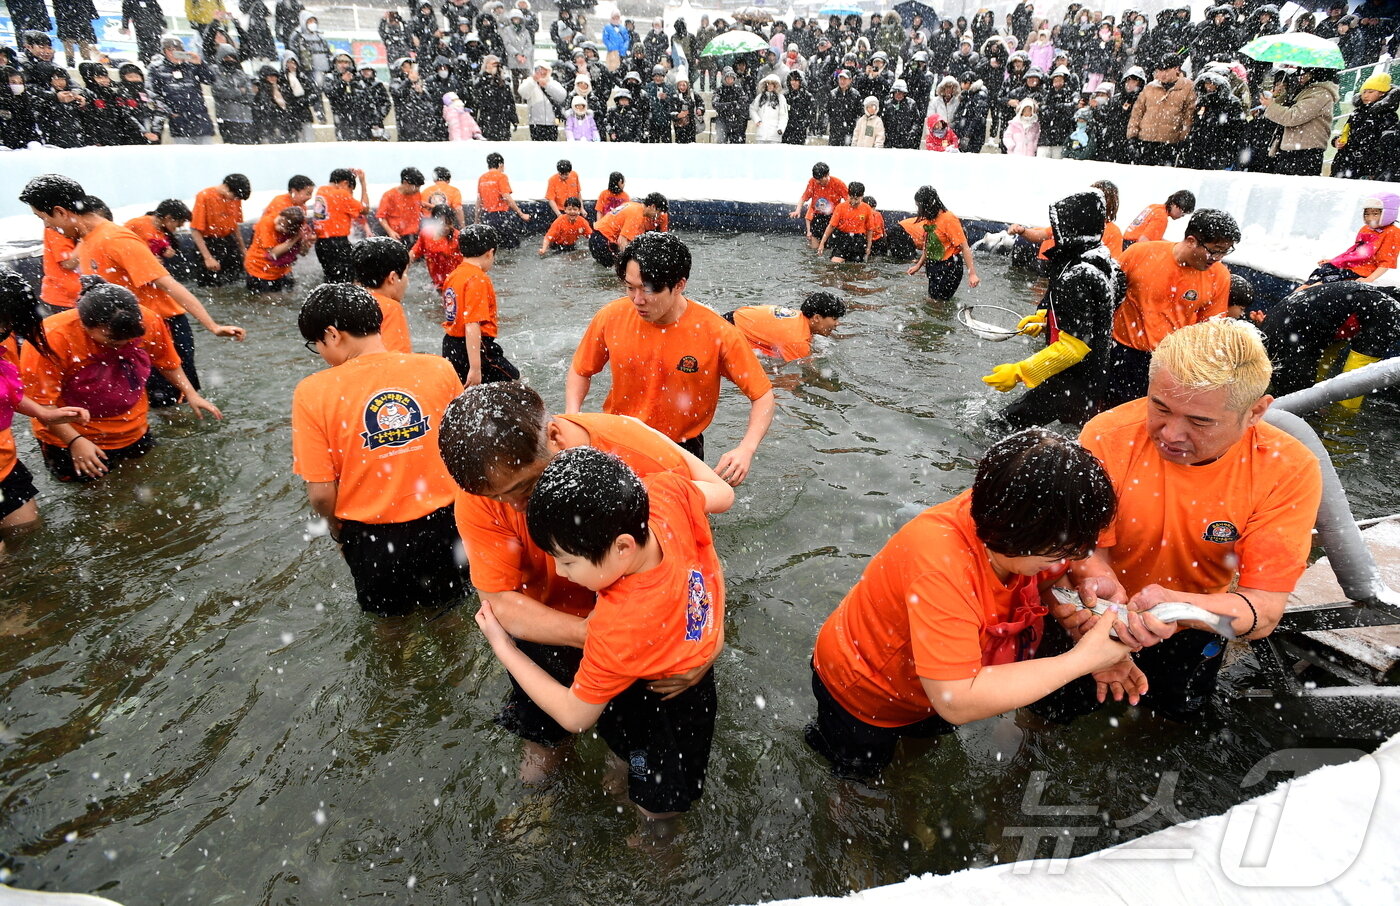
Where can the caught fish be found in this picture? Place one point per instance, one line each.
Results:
(1167, 612)
(984, 330)
(1000, 243)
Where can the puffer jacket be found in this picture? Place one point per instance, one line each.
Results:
(1163, 114)
(1306, 118)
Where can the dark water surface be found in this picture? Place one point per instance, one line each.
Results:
(195, 711)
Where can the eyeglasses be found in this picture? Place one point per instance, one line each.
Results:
(1217, 256)
(311, 346)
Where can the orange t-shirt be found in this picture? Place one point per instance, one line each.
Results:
(561, 188)
(256, 261)
(1112, 240)
(778, 332)
(442, 193)
(401, 212)
(668, 376)
(609, 202)
(1387, 250)
(333, 211)
(502, 555)
(824, 198)
(1194, 528)
(921, 609)
(630, 221)
(214, 214)
(9, 352)
(60, 286)
(72, 347)
(877, 226)
(119, 256)
(1150, 224)
(370, 425)
(468, 297)
(667, 619)
(157, 240)
(393, 330)
(492, 188)
(563, 233)
(946, 227)
(278, 205)
(441, 254)
(856, 220)
(1164, 295)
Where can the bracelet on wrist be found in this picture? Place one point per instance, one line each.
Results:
(1254, 623)
(75, 439)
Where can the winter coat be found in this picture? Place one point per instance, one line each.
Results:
(60, 123)
(397, 43)
(948, 109)
(656, 45)
(581, 128)
(625, 124)
(461, 125)
(1212, 42)
(542, 103)
(177, 86)
(1042, 56)
(731, 104)
(313, 53)
(1163, 114)
(971, 122)
(306, 107)
(1306, 118)
(694, 108)
(1217, 138)
(372, 106)
(17, 124)
(1372, 149)
(233, 91)
(519, 43)
(257, 34)
(107, 118)
(946, 142)
(495, 106)
(904, 123)
(342, 96)
(277, 123)
(1057, 116)
(771, 117)
(416, 112)
(142, 15)
(1022, 138)
(869, 132)
(802, 116)
(843, 108)
(616, 39)
(1112, 117)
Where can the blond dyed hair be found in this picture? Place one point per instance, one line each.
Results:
(1221, 352)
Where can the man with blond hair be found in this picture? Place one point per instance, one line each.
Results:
(1215, 508)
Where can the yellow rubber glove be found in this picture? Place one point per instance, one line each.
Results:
(1354, 361)
(1003, 377)
(1032, 325)
(1051, 360)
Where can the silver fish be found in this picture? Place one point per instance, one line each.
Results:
(1167, 612)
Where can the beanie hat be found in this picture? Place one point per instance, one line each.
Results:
(1378, 82)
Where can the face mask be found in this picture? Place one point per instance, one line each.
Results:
(312, 27)
(444, 73)
(1371, 220)
(16, 89)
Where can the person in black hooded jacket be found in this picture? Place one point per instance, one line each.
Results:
(1372, 146)
(802, 111)
(495, 102)
(1112, 118)
(1215, 38)
(731, 103)
(1217, 133)
(17, 124)
(1067, 380)
(58, 110)
(417, 113)
(107, 119)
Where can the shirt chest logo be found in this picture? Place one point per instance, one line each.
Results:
(393, 418)
(688, 364)
(1191, 295)
(698, 603)
(1221, 532)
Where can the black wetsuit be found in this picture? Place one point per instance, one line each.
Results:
(1299, 329)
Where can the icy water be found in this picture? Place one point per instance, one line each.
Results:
(194, 710)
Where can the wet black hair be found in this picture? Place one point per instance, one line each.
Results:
(1241, 292)
(870, 200)
(239, 185)
(615, 181)
(573, 201)
(855, 189)
(656, 200)
(442, 174)
(1109, 190)
(299, 182)
(825, 305)
(412, 176)
(296, 215)
(1210, 225)
(584, 501)
(478, 239)
(19, 311)
(346, 307)
(103, 304)
(376, 258)
(662, 258)
(494, 160)
(1184, 199)
(1039, 494)
(341, 174)
(173, 207)
(49, 192)
(564, 167)
(443, 214)
(492, 428)
(927, 204)
(98, 206)
(820, 170)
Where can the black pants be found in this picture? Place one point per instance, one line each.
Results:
(257, 286)
(161, 392)
(1127, 375)
(695, 446)
(225, 250)
(336, 258)
(17, 489)
(858, 750)
(520, 715)
(665, 743)
(239, 133)
(1299, 163)
(507, 224)
(1156, 154)
(398, 566)
(60, 461)
(494, 364)
(944, 277)
(544, 133)
(603, 251)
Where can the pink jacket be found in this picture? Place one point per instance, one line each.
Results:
(461, 125)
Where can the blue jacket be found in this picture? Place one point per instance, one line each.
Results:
(179, 86)
(615, 37)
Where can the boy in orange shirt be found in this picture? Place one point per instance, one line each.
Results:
(825, 192)
(496, 206)
(443, 192)
(216, 226)
(60, 284)
(469, 312)
(645, 548)
(567, 229)
(562, 186)
(381, 266)
(852, 228)
(159, 228)
(437, 245)
(786, 334)
(299, 191)
(277, 243)
(364, 438)
(625, 223)
(1151, 223)
(944, 626)
(401, 208)
(333, 214)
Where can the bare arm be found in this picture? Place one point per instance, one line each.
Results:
(196, 308)
(971, 264)
(322, 495)
(555, 699)
(472, 334)
(191, 396)
(1375, 275)
(733, 466)
(575, 391)
(210, 262)
(525, 618)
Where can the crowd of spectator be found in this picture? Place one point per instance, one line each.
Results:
(1092, 86)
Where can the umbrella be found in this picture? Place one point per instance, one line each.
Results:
(1297, 49)
(841, 11)
(753, 14)
(732, 42)
(911, 8)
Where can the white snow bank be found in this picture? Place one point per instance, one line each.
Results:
(1289, 222)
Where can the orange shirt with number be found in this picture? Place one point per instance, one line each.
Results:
(560, 189)
(60, 286)
(823, 199)
(72, 347)
(401, 212)
(492, 188)
(1164, 295)
(333, 211)
(441, 254)
(565, 232)
(857, 220)
(922, 608)
(1150, 224)
(1249, 513)
(468, 297)
(667, 619)
(215, 214)
(783, 333)
(630, 221)
(668, 376)
(119, 256)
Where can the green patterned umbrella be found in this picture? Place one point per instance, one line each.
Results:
(732, 42)
(1295, 48)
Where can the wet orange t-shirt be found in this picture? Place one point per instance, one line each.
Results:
(278, 205)
(668, 376)
(667, 619)
(609, 202)
(1194, 528)
(119, 256)
(441, 254)
(856, 220)
(922, 608)
(60, 286)
(502, 555)
(72, 347)
(823, 199)
(468, 297)
(157, 240)
(782, 333)
(492, 188)
(1387, 241)
(560, 189)
(946, 227)
(401, 212)
(1112, 240)
(563, 233)
(393, 330)
(1150, 224)
(370, 425)
(442, 193)
(256, 261)
(1164, 295)
(215, 214)
(333, 211)
(630, 221)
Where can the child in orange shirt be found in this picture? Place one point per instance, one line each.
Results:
(381, 266)
(437, 244)
(645, 548)
(401, 208)
(216, 226)
(277, 243)
(943, 626)
(786, 334)
(562, 186)
(1375, 249)
(333, 214)
(496, 205)
(159, 227)
(568, 228)
(611, 198)
(1151, 223)
(851, 228)
(469, 312)
(943, 249)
